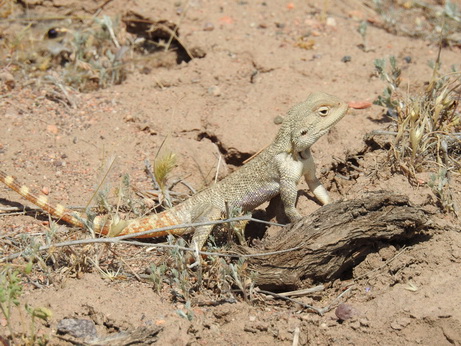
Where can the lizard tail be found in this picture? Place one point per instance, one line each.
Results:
(103, 225)
(58, 211)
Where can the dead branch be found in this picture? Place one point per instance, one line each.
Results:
(334, 238)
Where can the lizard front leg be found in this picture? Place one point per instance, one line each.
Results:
(288, 195)
(312, 181)
(290, 171)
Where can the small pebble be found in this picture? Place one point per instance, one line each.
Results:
(78, 328)
(214, 90)
(407, 59)
(331, 21)
(53, 129)
(346, 58)
(8, 80)
(278, 120)
(345, 312)
(208, 27)
(364, 322)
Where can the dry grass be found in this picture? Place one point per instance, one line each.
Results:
(85, 53)
(428, 127)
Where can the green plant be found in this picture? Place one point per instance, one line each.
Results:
(34, 313)
(362, 30)
(11, 290)
(188, 314)
(392, 79)
(157, 275)
(237, 274)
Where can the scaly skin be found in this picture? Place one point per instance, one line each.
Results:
(276, 170)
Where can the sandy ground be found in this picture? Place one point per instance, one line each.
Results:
(261, 59)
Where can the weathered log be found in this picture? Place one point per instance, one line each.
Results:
(334, 238)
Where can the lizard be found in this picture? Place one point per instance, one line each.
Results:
(275, 170)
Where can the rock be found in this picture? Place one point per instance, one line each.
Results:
(345, 312)
(78, 328)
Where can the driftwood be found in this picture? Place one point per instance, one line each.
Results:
(334, 239)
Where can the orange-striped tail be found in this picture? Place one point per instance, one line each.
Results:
(59, 211)
(103, 224)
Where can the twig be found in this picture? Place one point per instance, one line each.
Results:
(148, 167)
(303, 292)
(70, 101)
(181, 181)
(329, 307)
(306, 306)
(218, 166)
(173, 34)
(383, 133)
(138, 243)
(186, 184)
(100, 7)
(121, 240)
(320, 311)
(130, 269)
(110, 163)
(296, 336)
(42, 19)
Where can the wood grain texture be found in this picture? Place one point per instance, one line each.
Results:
(335, 238)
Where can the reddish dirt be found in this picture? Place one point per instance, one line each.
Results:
(225, 104)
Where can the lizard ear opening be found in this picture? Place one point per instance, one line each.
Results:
(324, 111)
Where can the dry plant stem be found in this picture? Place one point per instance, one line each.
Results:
(296, 336)
(383, 133)
(320, 311)
(44, 19)
(100, 7)
(173, 34)
(121, 239)
(109, 168)
(130, 269)
(66, 94)
(303, 292)
(138, 243)
(330, 306)
(306, 306)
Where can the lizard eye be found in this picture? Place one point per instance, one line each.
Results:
(303, 132)
(323, 111)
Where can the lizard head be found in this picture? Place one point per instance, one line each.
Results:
(311, 119)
